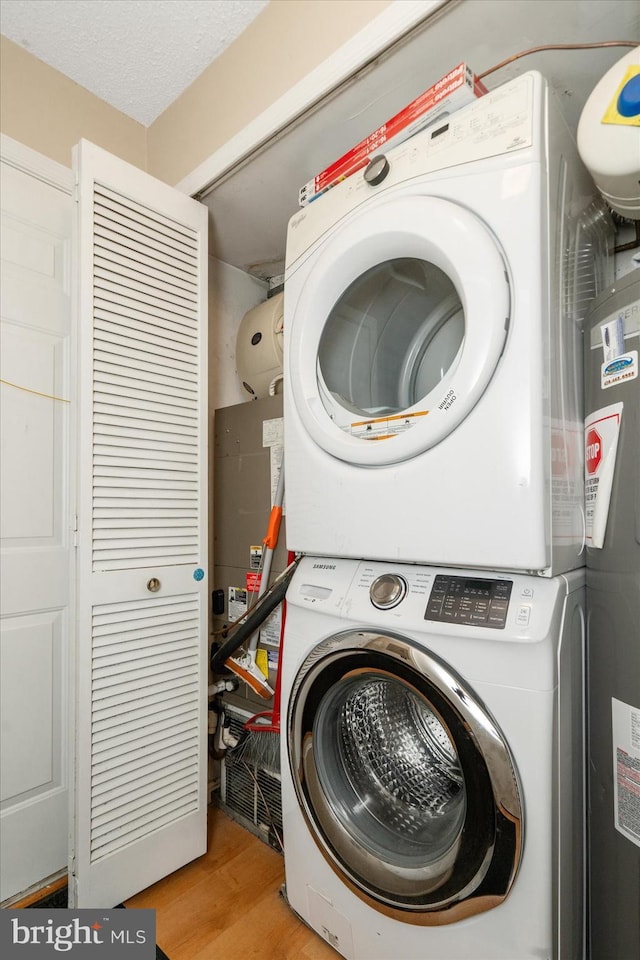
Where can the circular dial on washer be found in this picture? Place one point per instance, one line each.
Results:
(387, 591)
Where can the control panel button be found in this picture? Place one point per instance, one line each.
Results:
(523, 615)
(472, 601)
(387, 591)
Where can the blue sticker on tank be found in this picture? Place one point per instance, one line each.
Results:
(198, 573)
(620, 363)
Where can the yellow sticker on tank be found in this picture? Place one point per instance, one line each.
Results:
(612, 113)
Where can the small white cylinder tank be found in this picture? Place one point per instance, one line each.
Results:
(609, 135)
(259, 347)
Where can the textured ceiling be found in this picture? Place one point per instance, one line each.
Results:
(137, 55)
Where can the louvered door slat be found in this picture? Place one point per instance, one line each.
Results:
(103, 727)
(148, 772)
(149, 219)
(129, 390)
(110, 289)
(173, 376)
(130, 442)
(142, 436)
(118, 223)
(117, 247)
(108, 349)
(140, 276)
(108, 700)
(137, 287)
(174, 339)
(141, 758)
(125, 810)
(139, 311)
(153, 822)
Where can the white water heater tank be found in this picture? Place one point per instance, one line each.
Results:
(609, 136)
(259, 347)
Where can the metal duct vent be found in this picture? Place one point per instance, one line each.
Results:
(250, 794)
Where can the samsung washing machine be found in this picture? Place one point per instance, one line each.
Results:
(432, 764)
(433, 310)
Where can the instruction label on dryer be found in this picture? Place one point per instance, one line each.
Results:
(382, 428)
(625, 727)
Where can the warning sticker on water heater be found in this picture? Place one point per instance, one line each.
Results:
(382, 428)
(601, 430)
(625, 727)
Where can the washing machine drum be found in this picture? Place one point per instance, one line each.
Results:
(397, 325)
(407, 785)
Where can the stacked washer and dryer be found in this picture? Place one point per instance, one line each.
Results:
(432, 669)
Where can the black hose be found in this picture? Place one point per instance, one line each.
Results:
(265, 605)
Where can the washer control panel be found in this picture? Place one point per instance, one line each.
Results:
(473, 601)
(388, 591)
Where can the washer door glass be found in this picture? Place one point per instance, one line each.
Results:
(394, 327)
(390, 339)
(391, 773)
(406, 783)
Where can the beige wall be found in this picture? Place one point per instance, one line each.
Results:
(49, 113)
(284, 43)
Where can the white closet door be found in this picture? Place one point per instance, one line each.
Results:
(141, 640)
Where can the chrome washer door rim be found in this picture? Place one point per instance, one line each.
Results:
(477, 870)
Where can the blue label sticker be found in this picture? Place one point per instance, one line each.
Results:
(198, 573)
(620, 363)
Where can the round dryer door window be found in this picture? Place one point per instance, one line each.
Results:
(406, 782)
(398, 329)
(388, 342)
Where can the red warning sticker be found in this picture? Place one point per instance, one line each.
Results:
(253, 581)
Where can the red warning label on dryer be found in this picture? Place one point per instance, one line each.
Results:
(383, 428)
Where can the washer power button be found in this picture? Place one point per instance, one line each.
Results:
(388, 591)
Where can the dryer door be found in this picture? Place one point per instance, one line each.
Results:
(406, 783)
(398, 327)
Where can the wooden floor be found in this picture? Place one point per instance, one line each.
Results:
(227, 906)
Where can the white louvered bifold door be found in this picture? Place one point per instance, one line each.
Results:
(140, 684)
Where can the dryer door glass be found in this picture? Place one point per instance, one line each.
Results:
(390, 339)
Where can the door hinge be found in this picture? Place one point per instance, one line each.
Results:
(76, 191)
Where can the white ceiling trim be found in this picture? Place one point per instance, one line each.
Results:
(379, 34)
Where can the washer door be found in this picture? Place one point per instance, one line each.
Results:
(397, 330)
(407, 785)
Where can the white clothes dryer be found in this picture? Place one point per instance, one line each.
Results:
(432, 761)
(433, 309)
